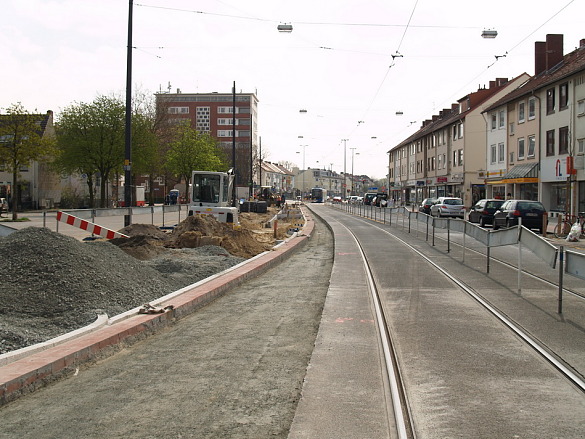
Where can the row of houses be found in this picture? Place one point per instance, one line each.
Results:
(520, 138)
(300, 181)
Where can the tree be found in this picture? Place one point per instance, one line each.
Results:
(21, 142)
(191, 151)
(91, 141)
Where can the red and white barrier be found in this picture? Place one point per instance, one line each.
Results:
(89, 226)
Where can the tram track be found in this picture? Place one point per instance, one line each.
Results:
(398, 399)
(543, 351)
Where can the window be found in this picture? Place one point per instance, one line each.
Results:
(521, 110)
(460, 154)
(580, 146)
(432, 163)
(178, 110)
(564, 140)
(581, 107)
(439, 162)
(531, 108)
(461, 130)
(531, 146)
(501, 153)
(225, 121)
(224, 133)
(493, 157)
(494, 121)
(511, 129)
(563, 96)
(501, 119)
(550, 143)
(550, 101)
(454, 132)
(512, 157)
(521, 148)
(444, 161)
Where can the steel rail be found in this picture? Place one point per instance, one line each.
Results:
(402, 417)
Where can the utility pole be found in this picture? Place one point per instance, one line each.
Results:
(344, 169)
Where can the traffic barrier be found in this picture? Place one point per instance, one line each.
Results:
(89, 226)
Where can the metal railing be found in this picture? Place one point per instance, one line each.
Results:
(566, 261)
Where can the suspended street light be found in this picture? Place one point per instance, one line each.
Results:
(285, 28)
(489, 33)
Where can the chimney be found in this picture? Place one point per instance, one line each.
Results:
(501, 81)
(492, 84)
(455, 107)
(582, 43)
(539, 57)
(554, 50)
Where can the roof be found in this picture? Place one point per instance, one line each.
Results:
(447, 117)
(42, 120)
(572, 63)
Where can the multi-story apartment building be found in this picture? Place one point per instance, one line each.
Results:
(543, 139)
(213, 113)
(446, 156)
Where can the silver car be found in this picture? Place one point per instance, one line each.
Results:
(448, 206)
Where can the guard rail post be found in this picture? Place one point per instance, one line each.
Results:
(448, 235)
(433, 231)
(488, 252)
(561, 269)
(519, 256)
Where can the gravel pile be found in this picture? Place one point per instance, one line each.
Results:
(53, 284)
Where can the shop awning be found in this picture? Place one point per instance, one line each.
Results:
(523, 173)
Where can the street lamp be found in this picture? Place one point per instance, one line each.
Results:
(344, 188)
(352, 176)
(303, 186)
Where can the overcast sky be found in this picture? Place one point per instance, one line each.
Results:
(337, 64)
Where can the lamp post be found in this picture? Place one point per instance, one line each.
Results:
(352, 176)
(298, 152)
(344, 170)
(128, 126)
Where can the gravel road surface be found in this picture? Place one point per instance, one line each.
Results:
(233, 369)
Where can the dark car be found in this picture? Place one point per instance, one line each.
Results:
(531, 212)
(425, 205)
(483, 211)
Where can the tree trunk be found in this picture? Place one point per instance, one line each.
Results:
(90, 187)
(14, 193)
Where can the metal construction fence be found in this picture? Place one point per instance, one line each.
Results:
(567, 262)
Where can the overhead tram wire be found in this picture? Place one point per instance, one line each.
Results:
(396, 55)
(497, 58)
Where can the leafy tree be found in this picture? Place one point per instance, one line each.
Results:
(91, 140)
(149, 145)
(191, 150)
(21, 142)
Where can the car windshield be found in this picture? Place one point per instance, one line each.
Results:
(453, 201)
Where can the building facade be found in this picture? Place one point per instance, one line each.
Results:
(544, 137)
(236, 131)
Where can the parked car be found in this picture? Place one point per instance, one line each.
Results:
(483, 211)
(425, 205)
(531, 212)
(448, 206)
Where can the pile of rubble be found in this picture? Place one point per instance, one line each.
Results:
(53, 284)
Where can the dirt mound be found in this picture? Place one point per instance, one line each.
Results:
(198, 230)
(144, 230)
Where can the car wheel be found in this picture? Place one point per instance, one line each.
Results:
(495, 225)
(508, 223)
(481, 221)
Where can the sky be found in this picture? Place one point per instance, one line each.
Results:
(367, 71)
